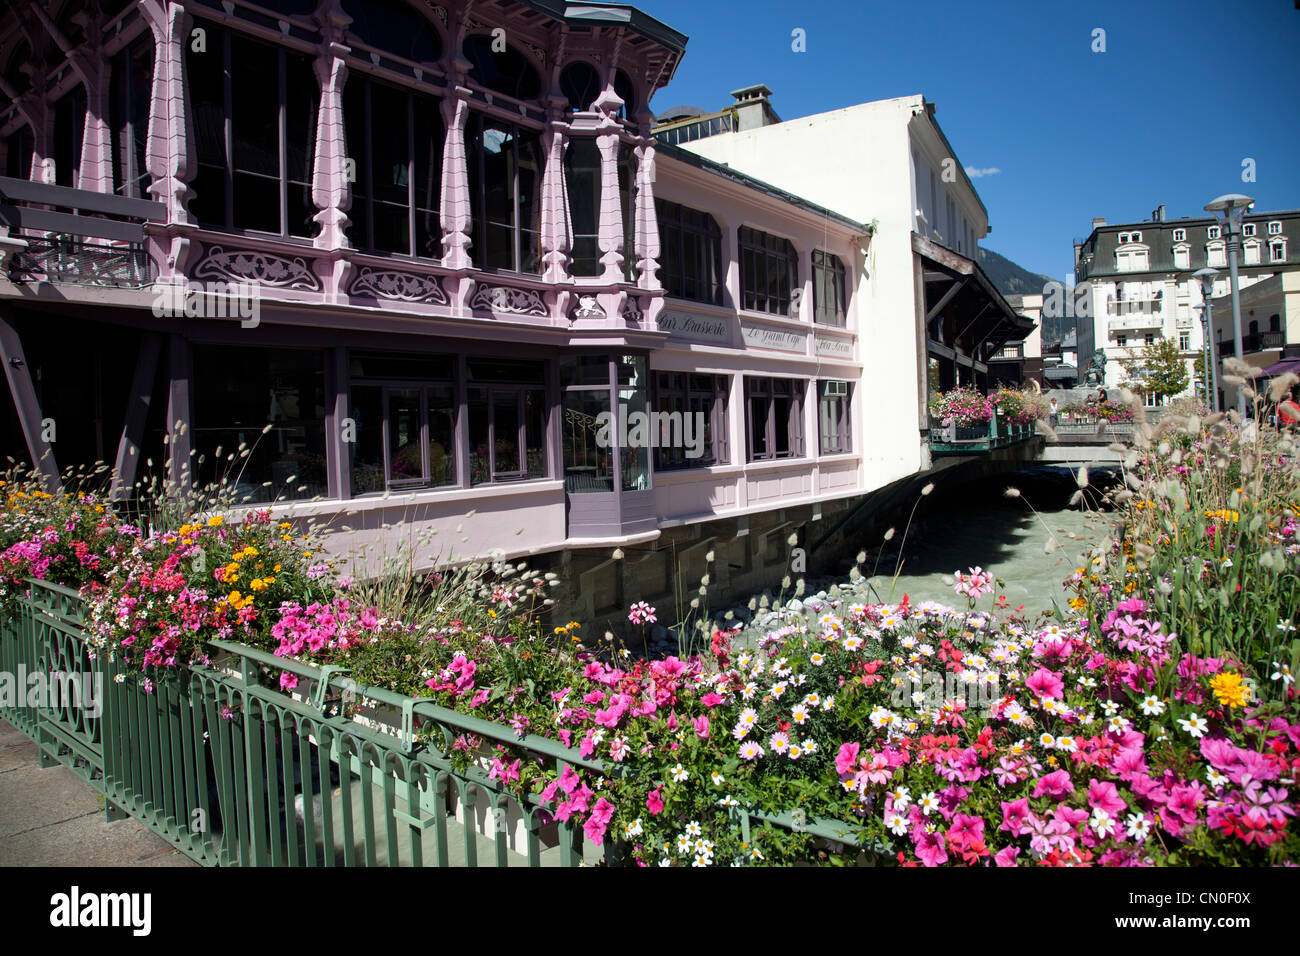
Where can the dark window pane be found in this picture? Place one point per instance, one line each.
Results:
(442, 435)
(582, 177)
(237, 393)
(505, 421)
(367, 410)
(505, 72)
(405, 435)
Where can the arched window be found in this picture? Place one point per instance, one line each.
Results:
(507, 71)
(690, 253)
(580, 84)
(626, 91)
(394, 27)
(505, 181)
(130, 93)
(395, 140)
(255, 125)
(768, 271)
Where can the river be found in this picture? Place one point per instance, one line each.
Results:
(977, 524)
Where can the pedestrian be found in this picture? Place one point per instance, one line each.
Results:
(1055, 413)
(1288, 412)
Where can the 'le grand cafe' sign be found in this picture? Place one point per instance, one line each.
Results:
(716, 329)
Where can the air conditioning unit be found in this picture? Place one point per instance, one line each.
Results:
(835, 388)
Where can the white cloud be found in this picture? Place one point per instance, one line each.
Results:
(976, 173)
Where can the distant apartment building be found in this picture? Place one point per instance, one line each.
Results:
(1020, 362)
(923, 292)
(1140, 283)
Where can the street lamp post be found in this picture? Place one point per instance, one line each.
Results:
(1206, 278)
(1231, 209)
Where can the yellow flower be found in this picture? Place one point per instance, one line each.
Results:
(1229, 689)
(215, 521)
(573, 625)
(1078, 603)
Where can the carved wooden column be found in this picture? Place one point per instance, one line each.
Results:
(170, 154)
(610, 231)
(455, 208)
(557, 228)
(331, 187)
(646, 229)
(95, 171)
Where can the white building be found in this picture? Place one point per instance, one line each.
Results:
(924, 291)
(1141, 286)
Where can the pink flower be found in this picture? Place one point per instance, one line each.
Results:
(1014, 815)
(288, 681)
(1104, 796)
(568, 780)
(1045, 683)
(1056, 784)
(847, 758)
(701, 725)
(503, 771)
(711, 699)
(1007, 856)
(930, 849)
(598, 821)
(654, 802)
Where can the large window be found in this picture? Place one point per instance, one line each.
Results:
(69, 128)
(836, 435)
(394, 27)
(130, 94)
(690, 253)
(775, 417)
(582, 177)
(692, 420)
(768, 271)
(505, 181)
(238, 391)
(255, 109)
(507, 420)
(502, 71)
(395, 139)
(829, 303)
(605, 432)
(404, 407)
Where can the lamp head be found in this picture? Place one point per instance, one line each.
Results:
(1206, 278)
(1229, 202)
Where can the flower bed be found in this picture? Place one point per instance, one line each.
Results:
(1129, 732)
(964, 407)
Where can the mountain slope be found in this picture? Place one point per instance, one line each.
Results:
(1010, 278)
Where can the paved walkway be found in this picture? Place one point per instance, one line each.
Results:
(50, 817)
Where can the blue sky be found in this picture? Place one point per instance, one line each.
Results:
(1182, 94)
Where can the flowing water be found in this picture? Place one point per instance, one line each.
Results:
(977, 524)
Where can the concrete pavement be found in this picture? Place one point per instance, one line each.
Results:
(50, 817)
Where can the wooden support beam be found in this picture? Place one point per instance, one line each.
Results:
(127, 465)
(957, 286)
(29, 412)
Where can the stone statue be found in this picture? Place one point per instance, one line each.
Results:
(1096, 373)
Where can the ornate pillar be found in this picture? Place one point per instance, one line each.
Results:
(646, 230)
(170, 155)
(331, 185)
(95, 170)
(455, 208)
(557, 227)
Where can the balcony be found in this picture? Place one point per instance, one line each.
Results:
(1136, 322)
(1134, 306)
(99, 241)
(1251, 343)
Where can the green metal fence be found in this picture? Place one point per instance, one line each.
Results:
(233, 772)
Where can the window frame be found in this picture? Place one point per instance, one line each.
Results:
(363, 189)
(475, 161)
(754, 247)
(424, 384)
(519, 389)
(1275, 227)
(765, 389)
(843, 420)
(828, 270)
(689, 396)
(677, 233)
(1274, 245)
(229, 171)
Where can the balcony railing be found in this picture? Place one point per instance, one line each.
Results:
(1251, 342)
(100, 241)
(1134, 306)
